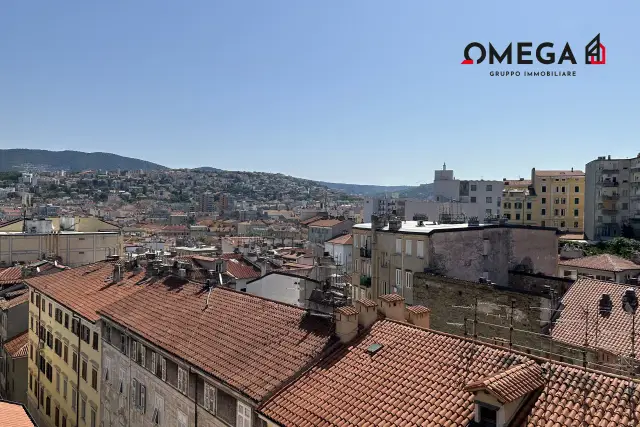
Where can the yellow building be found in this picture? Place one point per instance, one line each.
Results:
(65, 341)
(549, 199)
(75, 240)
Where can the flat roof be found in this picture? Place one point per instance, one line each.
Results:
(429, 227)
(22, 233)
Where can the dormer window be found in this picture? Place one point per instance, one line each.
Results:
(486, 416)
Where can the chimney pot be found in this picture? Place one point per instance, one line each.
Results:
(419, 315)
(392, 306)
(346, 323)
(367, 312)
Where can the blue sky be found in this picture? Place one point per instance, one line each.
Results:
(361, 91)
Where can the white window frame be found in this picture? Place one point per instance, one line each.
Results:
(398, 277)
(408, 279)
(134, 350)
(210, 398)
(420, 249)
(154, 365)
(356, 267)
(398, 246)
(163, 368)
(143, 355)
(183, 380)
(158, 411)
(408, 247)
(242, 419)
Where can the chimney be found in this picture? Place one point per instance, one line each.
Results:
(117, 273)
(392, 306)
(346, 323)
(367, 312)
(418, 315)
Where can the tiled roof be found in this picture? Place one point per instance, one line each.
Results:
(516, 183)
(571, 237)
(312, 219)
(512, 384)
(604, 262)
(14, 415)
(347, 310)
(6, 304)
(345, 239)
(612, 332)
(18, 345)
(560, 173)
(240, 269)
(11, 275)
(418, 378)
(250, 343)
(391, 297)
(325, 223)
(366, 302)
(88, 288)
(418, 309)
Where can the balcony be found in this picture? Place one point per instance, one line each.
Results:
(608, 183)
(610, 197)
(610, 211)
(365, 253)
(365, 281)
(610, 169)
(635, 216)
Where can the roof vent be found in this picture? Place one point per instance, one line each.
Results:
(630, 301)
(605, 305)
(374, 348)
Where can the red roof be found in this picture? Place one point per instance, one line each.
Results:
(20, 298)
(345, 239)
(14, 415)
(326, 223)
(240, 269)
(418, 377)
(11, 275)
(250, 343)
(512, 384)
(18, 345)
(604, 262)
(88, 288)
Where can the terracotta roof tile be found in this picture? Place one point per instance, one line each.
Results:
(560, 173)
(88, 288)
(11, 275)
(23, 297)
(18, 345)
(366, 302)
(418, 378)
(612, 329)
(240, 269)
(418, 309)
(345, 239)
(604, 262)
(326, 223)
(347, 310)
(250, 343)
(512, 384)
(391, 297)
(14, 415)
(312, 219)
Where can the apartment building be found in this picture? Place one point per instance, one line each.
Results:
(75, 241)
(326, 229)
(612, 198)
(517, 202)
(386, 254)
(14, 317)
(207, 202)
(15, 415)
(13, 368)
(401, 373)
(65, 341)
(181, 353)
(384, 205)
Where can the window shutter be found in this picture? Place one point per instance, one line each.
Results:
(143, 355)
(163, 367)
(134, 350)
(143, 398)
(134, 397)
(154, 367)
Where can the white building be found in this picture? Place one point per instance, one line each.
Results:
(340, 249)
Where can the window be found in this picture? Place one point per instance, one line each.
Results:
(398, 246)
(58, 381)
(95, 340)
(543, 212)
(398, 277)
(106, 369)
(408, 279)
(544, 188)
(564, 201)
(576, 212)
(575, 224)
(154, 366)
(517, 216)
(33, 297)
(183, 380)
(408, 245)
(473, 199)
(226, 407)
(182, 419)
(66, 320)
(65, 384)
(508, 216)
(557, 189)
(32, 327)
(94, 378)
(56, 419)
(542, 223)
(49, 339)
(48, 406)
(562, 224)
(134, 350)
(163, 368)
(50, 372)
(420, 249)
(563, 212)
(59, 316)
(75, 326)
(86, 334)
(58, 347)
(209, 398)
(123, 375)
(143, 355)
(244, 415)
(555, 212)
(489, 199)
(576, 201)
(158, 410)
(473, 187)
(93, 418)
(84, 370)
(50, 310)
(577, 189)
(74, 398)
(489, 187)
(528, 217)
(564, 190)
(528, 205)
(488, 417)
(123, 343)
(83, 409)
(556, 201)
(625, 206)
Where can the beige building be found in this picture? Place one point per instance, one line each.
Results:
(386, 255)
(76, 241)
(602, 267)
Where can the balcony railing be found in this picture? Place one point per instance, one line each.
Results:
(610, 197)
(365, 253)
(365, 281)
(609, 211)
(611, 169)
(609, 183)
